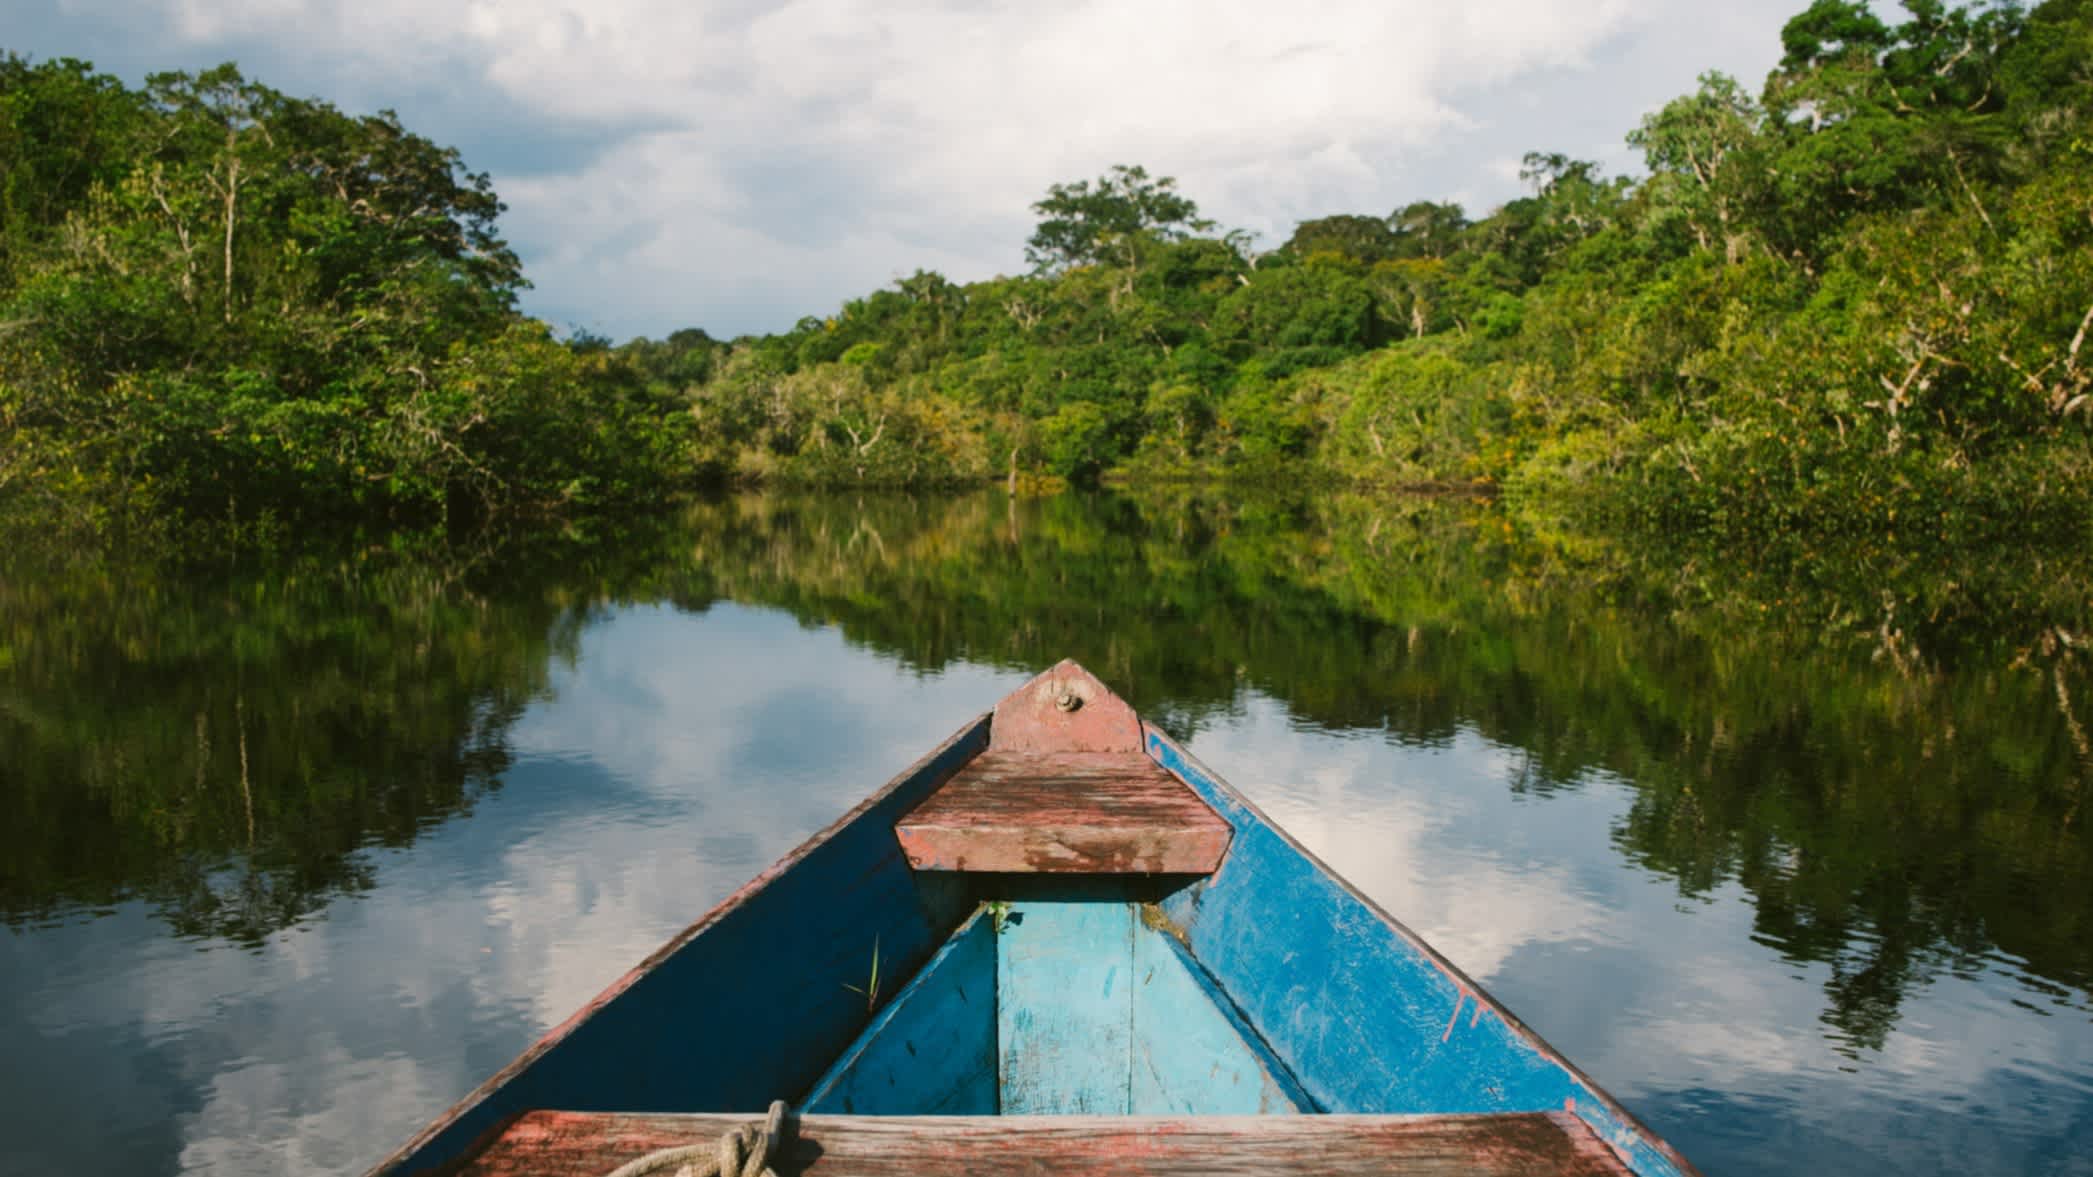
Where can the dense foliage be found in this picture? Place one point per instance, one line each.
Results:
(1851, 307)
(218, 302)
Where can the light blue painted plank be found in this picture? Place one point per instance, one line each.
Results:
(1191, 1056)
(1365, 1017)
(1064, 1002)
(932, 1050)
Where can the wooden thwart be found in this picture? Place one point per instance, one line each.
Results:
(1532, 1144)
(1086, 812)
(1064, 786)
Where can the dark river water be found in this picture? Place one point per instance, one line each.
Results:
(295, 855)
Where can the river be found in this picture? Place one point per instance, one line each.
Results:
(297, 852)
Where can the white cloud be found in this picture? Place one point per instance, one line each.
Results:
(825, 147)
(772, 160)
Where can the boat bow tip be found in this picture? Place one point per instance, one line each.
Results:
(1064, 709)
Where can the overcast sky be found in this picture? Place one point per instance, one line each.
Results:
(736, 164)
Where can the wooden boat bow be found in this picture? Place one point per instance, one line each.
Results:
(1065, 787)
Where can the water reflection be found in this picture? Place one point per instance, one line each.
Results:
(646, 784)
(300, 853)
(1706, 1028)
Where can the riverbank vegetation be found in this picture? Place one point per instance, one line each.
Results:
(225, 309)
(1851, 307)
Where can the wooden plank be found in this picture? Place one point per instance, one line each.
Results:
(1192, 1055)
(750, 1003)
(566, 1144)
(1064, 787)
(1064, 1007)
(1361, 1010)
(1071, 812)
(932, 1050)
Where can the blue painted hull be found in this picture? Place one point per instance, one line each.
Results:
(1267, 987)
(1370, 1017)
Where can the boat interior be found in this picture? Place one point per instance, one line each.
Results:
(1078, 998)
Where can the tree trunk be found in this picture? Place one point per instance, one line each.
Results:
(232, 196)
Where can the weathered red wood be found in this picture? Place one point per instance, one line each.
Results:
(1532, 1144)
(1064, 786)
(1088, 812)
(1065, 710)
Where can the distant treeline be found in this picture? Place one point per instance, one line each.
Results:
(1852, 306)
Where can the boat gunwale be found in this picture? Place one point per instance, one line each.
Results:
(551, 1038)
(1153, 736)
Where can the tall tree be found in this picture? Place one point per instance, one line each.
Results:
(1427, 228)
(63, 130)
(1086, 223)
(1698, 150)
(1361, 239)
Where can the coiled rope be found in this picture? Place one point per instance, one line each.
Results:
(740, 1152)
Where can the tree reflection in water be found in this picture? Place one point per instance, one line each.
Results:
(1901, 793)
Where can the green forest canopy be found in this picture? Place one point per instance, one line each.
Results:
(217, 300)
(1851, 307)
